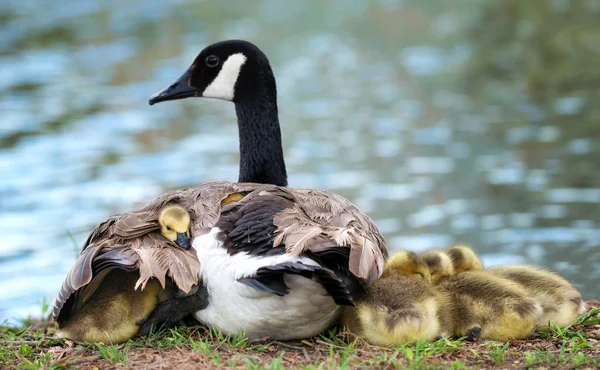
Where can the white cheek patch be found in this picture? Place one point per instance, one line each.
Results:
(223, 85)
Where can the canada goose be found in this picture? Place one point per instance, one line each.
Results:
(276, 261)
(560, 301)
(439, 263)
(100, 299)
(401, 306)
(490, 307)
(464, 259)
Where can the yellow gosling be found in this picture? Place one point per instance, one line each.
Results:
(464, 259)
(401, 306)
(174, 224)
(439, 264)
(500, 308)
(560, 301)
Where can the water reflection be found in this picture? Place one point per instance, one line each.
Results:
(447, 121)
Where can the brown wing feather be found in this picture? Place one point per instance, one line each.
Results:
(321, 220)
(80, 275)
(136, 225)
(182, 266)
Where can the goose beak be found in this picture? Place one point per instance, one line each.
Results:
(183, 241)
(180, 89)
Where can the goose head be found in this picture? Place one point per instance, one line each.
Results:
(174, 224)
(238, 71)
(230, 70)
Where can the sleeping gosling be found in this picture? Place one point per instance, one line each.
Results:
(490, 307)
(174, 224)
(439, 264)
(400, 306)
(560, 301)
(114, 313)
(464, 259)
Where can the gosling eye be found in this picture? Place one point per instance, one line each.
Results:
(169, 228)
(212, 61)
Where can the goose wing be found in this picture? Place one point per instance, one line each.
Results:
(129, 242)
(321, 222)
(271, 220)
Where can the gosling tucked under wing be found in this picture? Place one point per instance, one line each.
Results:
(560, 301)
(401, 306)
(323, 243)
(100, 299)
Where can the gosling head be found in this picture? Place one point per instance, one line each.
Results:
(174, 224)
(407, 263)
(440, 265)
(464, 259)
(233, 70)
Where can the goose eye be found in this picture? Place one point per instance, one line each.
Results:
(212, 61)
(169, 228)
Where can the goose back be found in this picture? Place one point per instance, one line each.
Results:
(297, 221)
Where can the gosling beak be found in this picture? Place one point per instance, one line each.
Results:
(183, 241)
(180, 89)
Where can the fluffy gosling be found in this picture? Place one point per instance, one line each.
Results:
(561, 302)
(400, 306)
(490, 307)
(439, 264)
(464, 259)
(174, 224)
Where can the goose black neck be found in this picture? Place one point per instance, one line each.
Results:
(261, 151)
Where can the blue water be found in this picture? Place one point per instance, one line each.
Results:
(393, 104)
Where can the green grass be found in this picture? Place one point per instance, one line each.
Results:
(497, 353)
(113, 353)
(29, 348)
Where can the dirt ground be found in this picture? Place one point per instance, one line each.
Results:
(198, 348)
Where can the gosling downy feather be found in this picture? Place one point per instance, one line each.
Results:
(401, 306)
(439, 263)
(500, 308)
(560, 301)
(464, 259)
(279, 261)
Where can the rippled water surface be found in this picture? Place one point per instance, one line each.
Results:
(447, 121)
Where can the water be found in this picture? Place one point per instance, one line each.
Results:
(462, 121)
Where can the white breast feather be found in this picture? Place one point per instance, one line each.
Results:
(235, 307)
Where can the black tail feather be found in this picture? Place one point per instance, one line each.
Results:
(270, 279)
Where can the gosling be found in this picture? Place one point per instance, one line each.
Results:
(464, 259)
(561, 302)
(401, 306)
(490, 307)
(174, 224)
(439, 264)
